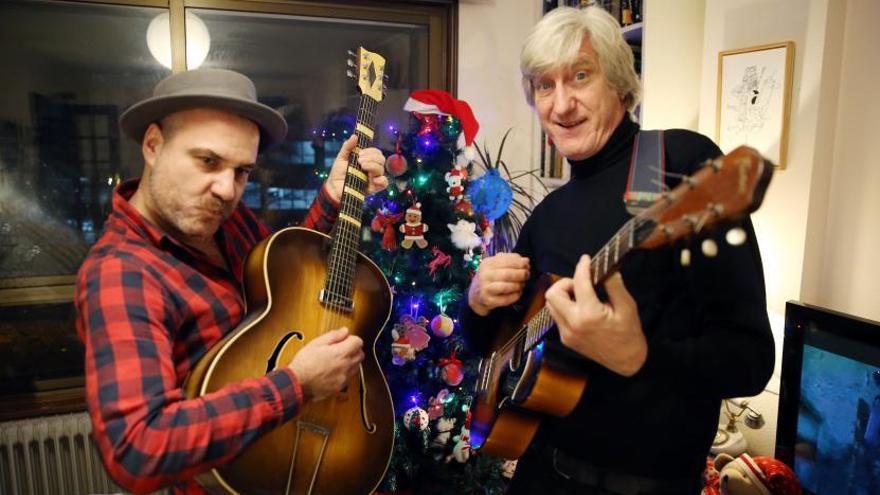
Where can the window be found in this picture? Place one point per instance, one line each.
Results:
(73, 67)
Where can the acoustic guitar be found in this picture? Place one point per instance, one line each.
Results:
(517, 384)
(298, 285)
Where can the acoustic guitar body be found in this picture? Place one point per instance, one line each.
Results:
(340, 445)
(517, 385)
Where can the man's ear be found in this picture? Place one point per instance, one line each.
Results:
(152, 144)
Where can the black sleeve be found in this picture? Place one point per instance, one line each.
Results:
(732, 352)
(478, 330)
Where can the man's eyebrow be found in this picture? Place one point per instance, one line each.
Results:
(212, 154)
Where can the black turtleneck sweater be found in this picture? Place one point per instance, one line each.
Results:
(706, 324)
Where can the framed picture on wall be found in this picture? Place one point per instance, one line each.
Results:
(754, 99)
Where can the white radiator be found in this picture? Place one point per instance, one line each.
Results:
(51, 455)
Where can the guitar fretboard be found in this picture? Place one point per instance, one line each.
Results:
(346, 232)
(602, 265)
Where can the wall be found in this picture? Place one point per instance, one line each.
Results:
(491, 33)
(849, 270)
(817, 226)
(672, 49)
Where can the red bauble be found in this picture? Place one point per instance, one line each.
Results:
(396, 165)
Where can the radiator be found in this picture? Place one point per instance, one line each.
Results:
(51, 455)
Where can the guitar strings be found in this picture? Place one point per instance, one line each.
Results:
(343, 260)
(538, 325)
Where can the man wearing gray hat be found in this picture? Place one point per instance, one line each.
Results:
(163, 284)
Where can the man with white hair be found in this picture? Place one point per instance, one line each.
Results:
(662, 343)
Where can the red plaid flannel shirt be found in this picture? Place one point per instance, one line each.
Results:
(148, 307)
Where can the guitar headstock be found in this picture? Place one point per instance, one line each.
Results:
(727, 188)
(368, 69)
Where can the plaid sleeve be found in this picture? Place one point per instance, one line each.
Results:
(149, 434)
(323, 212)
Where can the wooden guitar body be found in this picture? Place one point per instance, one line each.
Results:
(340, 445)
(515, 387)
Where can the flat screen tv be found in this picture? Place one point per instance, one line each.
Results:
(829, 403)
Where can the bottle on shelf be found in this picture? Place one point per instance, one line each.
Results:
(626, 13)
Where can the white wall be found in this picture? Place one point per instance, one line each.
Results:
(817, 228)
(491, 33)
(849, 270)
(796, 201)
(672, 49)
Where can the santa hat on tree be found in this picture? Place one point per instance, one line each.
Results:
(435, 101)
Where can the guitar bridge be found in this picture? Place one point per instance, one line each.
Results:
(336, 301)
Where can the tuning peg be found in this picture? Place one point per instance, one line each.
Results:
(709, 248)
(351, 63)
(735, 236)
(350, 74)
(385, 77)
(685, 259)
(353, 54)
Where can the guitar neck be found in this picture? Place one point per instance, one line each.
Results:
(602, 265)
(342, 261)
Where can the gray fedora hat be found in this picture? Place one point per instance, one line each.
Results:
(212, 88)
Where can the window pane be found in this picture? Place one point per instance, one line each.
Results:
(298, 65)
(70, 69)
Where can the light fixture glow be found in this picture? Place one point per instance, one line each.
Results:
(198, 40)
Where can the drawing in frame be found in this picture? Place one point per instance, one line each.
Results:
(754, 99)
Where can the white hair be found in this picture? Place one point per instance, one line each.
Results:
(555, 43)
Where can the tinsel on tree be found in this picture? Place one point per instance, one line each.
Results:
(428, 235)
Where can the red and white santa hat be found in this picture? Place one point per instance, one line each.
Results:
(770, 476)
(457, 171)
(435, 101)
(416, 208)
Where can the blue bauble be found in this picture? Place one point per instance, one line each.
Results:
(490, 194)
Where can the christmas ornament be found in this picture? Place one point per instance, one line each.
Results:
(402, 351)
(429, 123)
(444, 431)
(414, 331)
(415, 419)
(454, 179)
(384, 222)
(441, 259)
(396, 164)
(490, 194)
(435, 101)
(442, 325)
(435, 404)
(451, 127)
(464, 237)
(462, 450)
(414, 229)
(450, 370)
(464, 207)
(486, 229)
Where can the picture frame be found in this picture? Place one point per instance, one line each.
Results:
(754, 99)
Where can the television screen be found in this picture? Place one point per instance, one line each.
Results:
(829, 414)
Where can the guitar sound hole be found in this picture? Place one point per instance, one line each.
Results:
(273, 359)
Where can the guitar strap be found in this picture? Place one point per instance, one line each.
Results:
(647, 171)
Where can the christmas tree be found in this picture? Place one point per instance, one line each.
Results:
(428, 236)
